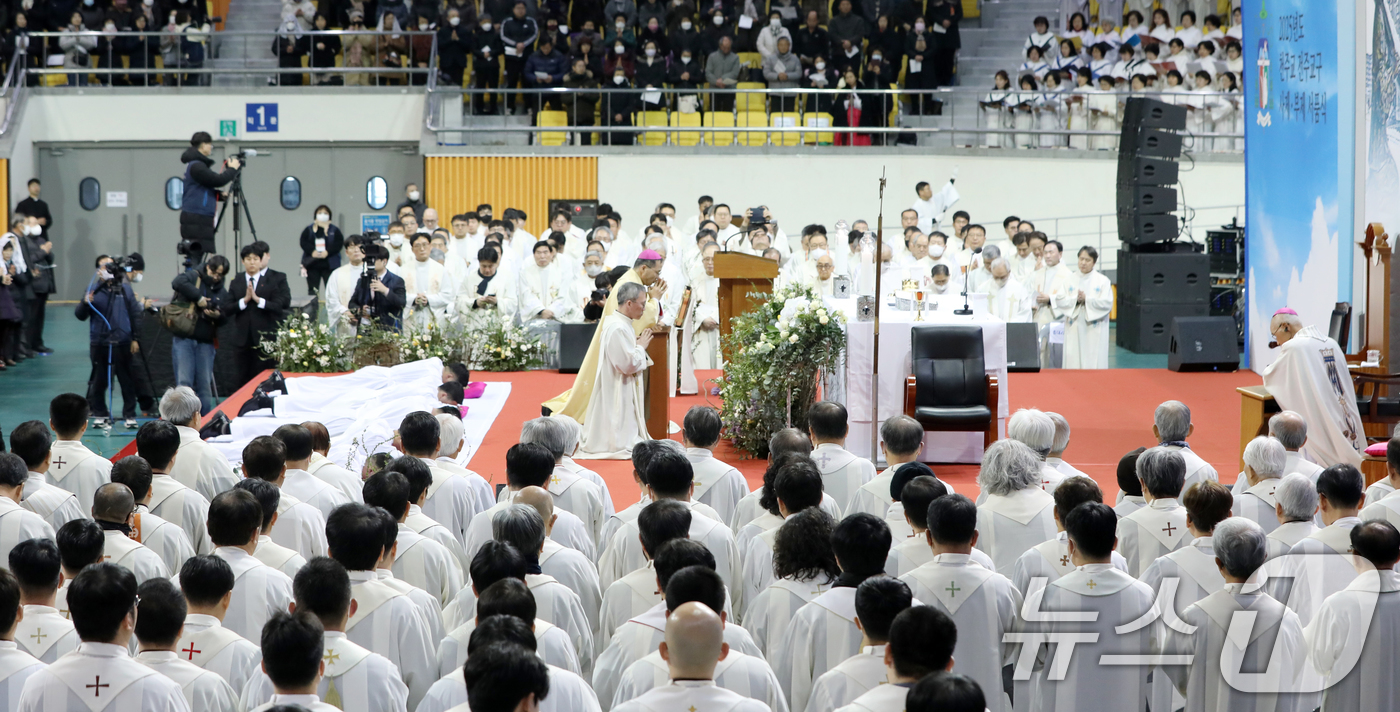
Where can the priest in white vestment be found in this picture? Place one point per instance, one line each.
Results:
(796, 488)
(1058, 446)
(693, 647)
(1007, 298)
(298, 481)
(1273, 653)
(746, 675)
(168, 541)
(205, 641)
(100, 675)
(1050, 278)
(1296, 502)
(16, 667)
(901, 439)
(340, 287)
(451, 442)
(919, 645)
(158, 631)
(1310, 377)
(1323, 563)
(452, 497)
(74, 467)
(1264, 461)
(56, 505)
(567, 566)
(299, 526)
(42, 632)
(429, 290)
(931, 206)
(1049, 560)
(323, 468)
(1351, 639)
(172, 501)
(1016, 514)
(488, 290)
(572, 491)
(822, 277)
(624, 551)
(1160, 527)
(113, 508)
(982, 603)
(568, 692)
(717, 483)
(704, 319)
(17, 523)
(879, 600)
(804, 567)
(1087, 300)
(843, 474)
(615, 419)
(418, 560)
(198, 465)
(279, 557)
(258, 590)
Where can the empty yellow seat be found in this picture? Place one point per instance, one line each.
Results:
(818, 120)
(720, 119)
(755, 119)
(651, 118)
(551, 118)
(751, 101)
(685, 138)
(786, 120)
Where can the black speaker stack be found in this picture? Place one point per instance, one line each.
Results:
(1159, 279)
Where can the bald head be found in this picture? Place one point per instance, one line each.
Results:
(541, 500)
(1290, 429)
(694, 642)
(113, 502)
(788, 440)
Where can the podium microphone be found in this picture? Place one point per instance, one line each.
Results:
(966, 309)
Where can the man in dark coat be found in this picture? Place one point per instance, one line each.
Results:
(257, 300)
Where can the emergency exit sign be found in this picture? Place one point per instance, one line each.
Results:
(228, 128)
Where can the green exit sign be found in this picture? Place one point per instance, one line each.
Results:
(228, 128)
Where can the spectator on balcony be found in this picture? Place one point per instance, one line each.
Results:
(582, 100)
(582, 12)
(322, 49)
(398, 9)
(627, 9)
(948, 15)
(878, 75)
(560, 40)
(588, 32)
(454, 45)
(17, 38)
(812, 42)
(583, 49)
(821, 75)
(620, 31)
(782, 70)
(518, 34)
(487, 51)
(685, 75)
(140, 52)
(650, 74)
(420, 50)
(887, 38)
(717, 27)
(682, 36)
(620, 58)
(919, 75)
(722, 72)
(76, 48)
(618, 106)
(545, 69)
(287, 48)
(648, 9)
(768, 37)
(431, 10)
(847, 29)
(653, 31)
(359, 52)
(300, 12)
(466, 10)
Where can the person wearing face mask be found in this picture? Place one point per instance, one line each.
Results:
(582, 99)
(1007, 298)
(648, 10)
(454, 46)
(887, 38)
(767, 41)
(289, 49)
(413, 198)
(876, 107)
(682, 36)
(487, 50)
(518, 34)
(650, 71)
(140, 52)
(821, 75)
(618, 106)
(38, 261)
(321, 243)
(301, 12)
(322, 50)
(193, 356)
(584, 282)
(685, 74)
(621, 17)
(420, 46)
(653, 31)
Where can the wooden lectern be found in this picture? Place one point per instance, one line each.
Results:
(658, 392)
(741, 277)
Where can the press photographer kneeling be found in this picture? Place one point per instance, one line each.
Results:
(380, 296)
(193, 318)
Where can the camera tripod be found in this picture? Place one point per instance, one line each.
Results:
(239, 200)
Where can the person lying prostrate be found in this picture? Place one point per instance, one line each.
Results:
(878, 600)
(160, 617)
(458, 372)
(451, 393)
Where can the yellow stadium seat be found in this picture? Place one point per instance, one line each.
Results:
(786, 119)
(751, 60)
(818, 120)
(651, 118)
(685, 138)
(718, 119)
(750, 101)
(551, 118)
(754, 119)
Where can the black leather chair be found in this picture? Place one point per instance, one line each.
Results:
(951, 389)
(1339, 326)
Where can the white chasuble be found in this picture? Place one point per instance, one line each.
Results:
(746, 675)
(203, 690)
(100, 677)
(615, 419)
(1310, 377)
(207, 643)
(387, 622)
(77, 469)
(1353, 631)
(259, 591)
(819, 637)
(355, 680)
(45, 633)
(855, 676)
(1150, 532)
(1009, 525)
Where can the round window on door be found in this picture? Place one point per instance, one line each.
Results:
(291, 193)
(174, 192)
(377, 193)
(89, 193)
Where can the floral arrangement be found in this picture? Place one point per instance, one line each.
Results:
(429, 340)
(778, 352)
(497, 345)
(303, 346)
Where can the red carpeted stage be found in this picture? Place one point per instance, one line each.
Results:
(1110, 413)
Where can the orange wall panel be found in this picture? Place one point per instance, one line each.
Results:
(457, 184)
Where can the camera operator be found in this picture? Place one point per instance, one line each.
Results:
(380, 296)
(200, 203)
(112, 312)
(193, 357)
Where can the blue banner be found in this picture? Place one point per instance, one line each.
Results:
(1300, 110)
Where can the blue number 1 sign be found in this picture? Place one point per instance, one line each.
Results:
(262, 118)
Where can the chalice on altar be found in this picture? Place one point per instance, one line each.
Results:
(918, 306)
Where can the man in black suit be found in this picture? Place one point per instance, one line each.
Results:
(257, 301)
(383, 297)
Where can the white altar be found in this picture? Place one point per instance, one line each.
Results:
(852, 386)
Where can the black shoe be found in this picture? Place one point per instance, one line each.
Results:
(43, 351)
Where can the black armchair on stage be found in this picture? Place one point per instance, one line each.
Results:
(951, 389)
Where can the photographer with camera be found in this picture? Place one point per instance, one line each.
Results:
(113, 313)
(200, 201)
(380, 295)
(201, 287)
(342, 283)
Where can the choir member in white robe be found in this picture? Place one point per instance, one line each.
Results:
(161, 615)
(1264, 460)
(901, 439)
(843, 474)
(113, 508)
(16, 665)
(796, 488)
(235, 518)
(930, 206)
(568, 692)
(1310, 378)
(1350, 638)
(920, 644)
(354, 679)
(1160, 527)
(1017, 514)
(207, 583)
(100, 675)
(74, 467)
(982, 603)
(17, 523)
(567, 566)
(385, 619)
(157, 442)
(1273, 652)
(671, 478)
(429, 289)
(615, 418)
(1323, 563)
(804, 567)
(1296, 507)
(824, 632)
(168, 541)
(694, 645)
(299, 526)
(1086, 299)
(1049, 560)
(1115, 599)
(42, 632)
(198, 465)
(1007, 298)
(879, 600)
(340, 287)
(297, 481)
(31, 441)
(418, 560)
(323, 468)
(717, 483)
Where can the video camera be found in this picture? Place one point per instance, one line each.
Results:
(245, 154)
(120, 265)
(755, 216)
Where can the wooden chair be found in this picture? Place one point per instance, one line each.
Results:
(1375, 408)
(951, 390)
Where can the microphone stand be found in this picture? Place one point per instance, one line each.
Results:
(967, 310)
